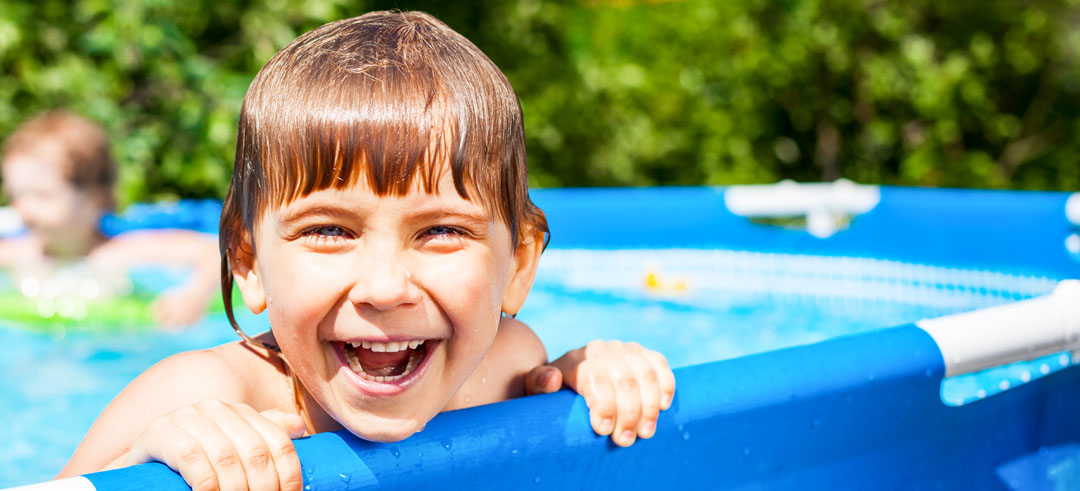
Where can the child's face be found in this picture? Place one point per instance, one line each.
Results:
(58, 214)
(344, 268)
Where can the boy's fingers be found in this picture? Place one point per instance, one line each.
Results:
(216, 447)
(177, 449)
(251, 446)
(648, 383)
(664, 376)
(279, 440)
(568, 366)
(543, 379)
(628, 402)
(292, 423)
(599, 394)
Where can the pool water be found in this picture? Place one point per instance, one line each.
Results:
(694, 306)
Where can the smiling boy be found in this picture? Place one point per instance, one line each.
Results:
(379, 213)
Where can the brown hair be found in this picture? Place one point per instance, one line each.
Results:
(391, 97)
(81, 144)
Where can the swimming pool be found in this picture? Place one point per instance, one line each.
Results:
(676, 270)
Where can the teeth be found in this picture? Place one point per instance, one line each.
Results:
(356, 366)
(387, 347)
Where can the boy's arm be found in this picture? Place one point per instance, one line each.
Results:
(180, 380)
(196, 251)
(172, 391)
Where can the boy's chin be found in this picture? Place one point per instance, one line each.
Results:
(387, 431)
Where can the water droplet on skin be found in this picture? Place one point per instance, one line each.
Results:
(483, 380)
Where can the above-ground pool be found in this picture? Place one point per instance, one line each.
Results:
(852, 402)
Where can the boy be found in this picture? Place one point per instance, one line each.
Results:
(379, 213)
(58, 174)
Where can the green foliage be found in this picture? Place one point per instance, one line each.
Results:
(965, 93)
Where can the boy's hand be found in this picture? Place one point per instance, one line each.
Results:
(215, 445)
(624, 385)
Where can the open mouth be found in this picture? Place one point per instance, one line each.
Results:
(384, 362)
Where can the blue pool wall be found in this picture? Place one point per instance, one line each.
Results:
(1019, 232)
(856, 412)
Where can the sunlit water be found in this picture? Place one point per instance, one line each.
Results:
(693, 306)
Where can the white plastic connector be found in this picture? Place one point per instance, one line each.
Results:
(827, 206)
(1019, 331)
(70, 484)
(1072, 209)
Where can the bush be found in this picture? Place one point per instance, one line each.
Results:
(967, 94)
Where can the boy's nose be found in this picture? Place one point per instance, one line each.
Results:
(382, 280)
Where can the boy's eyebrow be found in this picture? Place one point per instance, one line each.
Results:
(481, 217)
(303, 211)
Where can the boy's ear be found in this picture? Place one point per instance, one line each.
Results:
(246, 276)
(522, 272)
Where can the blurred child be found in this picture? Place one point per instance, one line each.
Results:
(58, 174)
(379, 212)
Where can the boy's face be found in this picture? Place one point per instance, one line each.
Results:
(383, 306)
(58, 214)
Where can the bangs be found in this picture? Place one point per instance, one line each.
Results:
(393, 98)
(394, 103)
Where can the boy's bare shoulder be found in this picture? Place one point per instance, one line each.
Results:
(521, 342)
(231, 372)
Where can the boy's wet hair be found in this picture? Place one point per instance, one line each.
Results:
(395, 98)
(81, 145)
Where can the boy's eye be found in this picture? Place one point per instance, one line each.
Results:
(442, 230)
(326, 231)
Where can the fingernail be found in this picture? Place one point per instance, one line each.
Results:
(627, 437)
(606, 425)
(667, 401)
(545, 377)
(648, 429)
